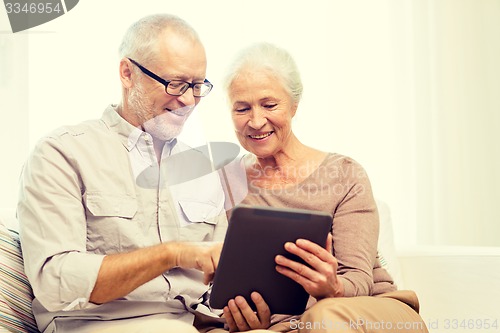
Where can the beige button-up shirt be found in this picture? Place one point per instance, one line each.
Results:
(97, 188)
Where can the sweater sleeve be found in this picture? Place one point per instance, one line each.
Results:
(355, 230)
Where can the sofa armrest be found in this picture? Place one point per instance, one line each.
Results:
(458, 287)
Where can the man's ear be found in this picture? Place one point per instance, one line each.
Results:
(126, 73)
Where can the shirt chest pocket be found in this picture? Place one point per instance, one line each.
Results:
(111, 226)
(101, 204)
(195, 211)
(199, 201)
(198, 220)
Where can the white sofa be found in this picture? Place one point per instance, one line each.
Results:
(458, 287)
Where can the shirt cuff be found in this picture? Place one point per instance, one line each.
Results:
(78, 277)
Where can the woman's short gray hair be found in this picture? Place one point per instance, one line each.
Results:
(141, 39)
(269, 57)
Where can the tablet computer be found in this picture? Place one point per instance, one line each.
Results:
(254, 237)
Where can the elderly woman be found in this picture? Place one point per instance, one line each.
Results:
(349, 290)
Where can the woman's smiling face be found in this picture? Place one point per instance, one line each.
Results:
(262, 111)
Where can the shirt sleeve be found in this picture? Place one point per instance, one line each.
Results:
(355, 231)
(53, 229)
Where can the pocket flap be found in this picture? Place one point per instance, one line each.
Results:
(105, 204)
(197, 211)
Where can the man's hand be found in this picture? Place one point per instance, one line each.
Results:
(121, 273)
(205, 259)
(240, 317)
(319, 279)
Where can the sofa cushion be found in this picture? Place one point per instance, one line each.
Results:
(386, 248)
(15, 291)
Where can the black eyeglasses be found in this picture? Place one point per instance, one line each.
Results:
(177, 87)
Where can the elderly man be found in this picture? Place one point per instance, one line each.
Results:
(111, 241)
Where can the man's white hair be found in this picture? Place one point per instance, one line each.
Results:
(141, 39)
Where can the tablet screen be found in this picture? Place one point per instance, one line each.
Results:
(254, 237)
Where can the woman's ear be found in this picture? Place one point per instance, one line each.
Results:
(295, 105)
(126, 73)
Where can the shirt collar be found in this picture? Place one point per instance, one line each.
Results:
(128, 134)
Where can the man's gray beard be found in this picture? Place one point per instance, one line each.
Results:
(159, 129)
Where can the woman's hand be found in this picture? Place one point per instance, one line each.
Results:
(320, 279)
(240, 317)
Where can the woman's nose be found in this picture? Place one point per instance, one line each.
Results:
(257, 119)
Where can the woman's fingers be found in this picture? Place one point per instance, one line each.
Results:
(241, 317)
(329, 243)
(294, 269)
(313, 250)
(318, 275)
(238, 318)
(249, 316)
(229, 319)
(318, 259)
(263, 311)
